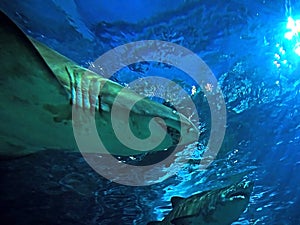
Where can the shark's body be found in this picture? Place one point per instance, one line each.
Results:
(39, 87)
(216, 207)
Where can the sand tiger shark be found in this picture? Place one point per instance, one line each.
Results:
(39, 86)
(215, 207)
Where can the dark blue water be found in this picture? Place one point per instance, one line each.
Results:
(244, 45)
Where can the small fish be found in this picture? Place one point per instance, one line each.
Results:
(215, 207)
(39, 87)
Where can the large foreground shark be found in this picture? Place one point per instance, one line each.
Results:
(39, 87)
(214, 207)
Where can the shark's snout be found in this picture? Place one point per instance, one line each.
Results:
(182, 130)
(178, 128)
(241, 191)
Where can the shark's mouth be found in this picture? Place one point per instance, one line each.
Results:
(238, 195)
(175, 135)
(240, 192)
(150, 158)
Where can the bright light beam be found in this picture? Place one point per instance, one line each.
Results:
(294, 33)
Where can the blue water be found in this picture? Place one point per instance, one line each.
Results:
(239, 40)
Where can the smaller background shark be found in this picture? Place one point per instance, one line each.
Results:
(215, 207)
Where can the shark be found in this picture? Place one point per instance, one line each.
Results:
(214, 207)
(39, 88)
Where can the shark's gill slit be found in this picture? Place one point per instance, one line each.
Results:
(99, 103)
(78, 90)
(72, 88)
(86, 93)
(94, 94)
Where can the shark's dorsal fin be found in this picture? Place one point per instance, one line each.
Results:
(176, 200)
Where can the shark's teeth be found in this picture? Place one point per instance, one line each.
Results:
(237, 197)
